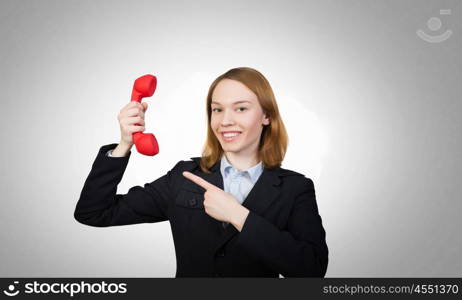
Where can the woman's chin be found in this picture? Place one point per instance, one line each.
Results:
(230, 148)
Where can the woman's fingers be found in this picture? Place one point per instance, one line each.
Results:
(132, 105)
(134, 128)
(134, 112)
(133, 120)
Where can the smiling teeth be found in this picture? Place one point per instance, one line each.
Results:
(230, 134)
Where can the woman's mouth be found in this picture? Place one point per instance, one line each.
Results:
(229, 136)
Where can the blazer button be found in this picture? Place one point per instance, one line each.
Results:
(192, 201)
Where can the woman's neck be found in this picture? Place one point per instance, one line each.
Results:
(242, 162)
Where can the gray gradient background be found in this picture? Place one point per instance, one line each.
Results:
(373, 114)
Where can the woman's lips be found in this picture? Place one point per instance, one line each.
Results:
(230, 136)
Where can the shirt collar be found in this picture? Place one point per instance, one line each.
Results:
(254, 172)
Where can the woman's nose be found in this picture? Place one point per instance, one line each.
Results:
(227, 118)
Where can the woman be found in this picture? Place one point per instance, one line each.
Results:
(233, 211)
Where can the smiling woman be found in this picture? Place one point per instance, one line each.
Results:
(233, 211)
(244, 121)
(237, 124)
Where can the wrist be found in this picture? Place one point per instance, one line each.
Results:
(239, 216)
(121, 150)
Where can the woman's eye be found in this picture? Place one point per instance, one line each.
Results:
(219, 109)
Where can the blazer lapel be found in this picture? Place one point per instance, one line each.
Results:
(260, 196)
(214, 177)
(263, 193)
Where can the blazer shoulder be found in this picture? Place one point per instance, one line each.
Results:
(287, 172)
(185, 165)
(295, 177)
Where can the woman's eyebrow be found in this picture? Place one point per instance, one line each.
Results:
(237, 102)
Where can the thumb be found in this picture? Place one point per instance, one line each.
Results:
(145, 106)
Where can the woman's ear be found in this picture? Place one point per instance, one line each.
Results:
(266, 120)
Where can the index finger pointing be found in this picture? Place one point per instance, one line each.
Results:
(199, 181)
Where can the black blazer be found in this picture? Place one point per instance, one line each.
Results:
(283, 233)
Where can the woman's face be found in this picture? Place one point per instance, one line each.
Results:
(237, 118)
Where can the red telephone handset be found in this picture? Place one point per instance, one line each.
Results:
(145, 143)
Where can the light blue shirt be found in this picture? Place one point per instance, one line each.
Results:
(239, 183)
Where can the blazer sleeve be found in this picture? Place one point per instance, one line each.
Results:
(100, 206)
(301, 251)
